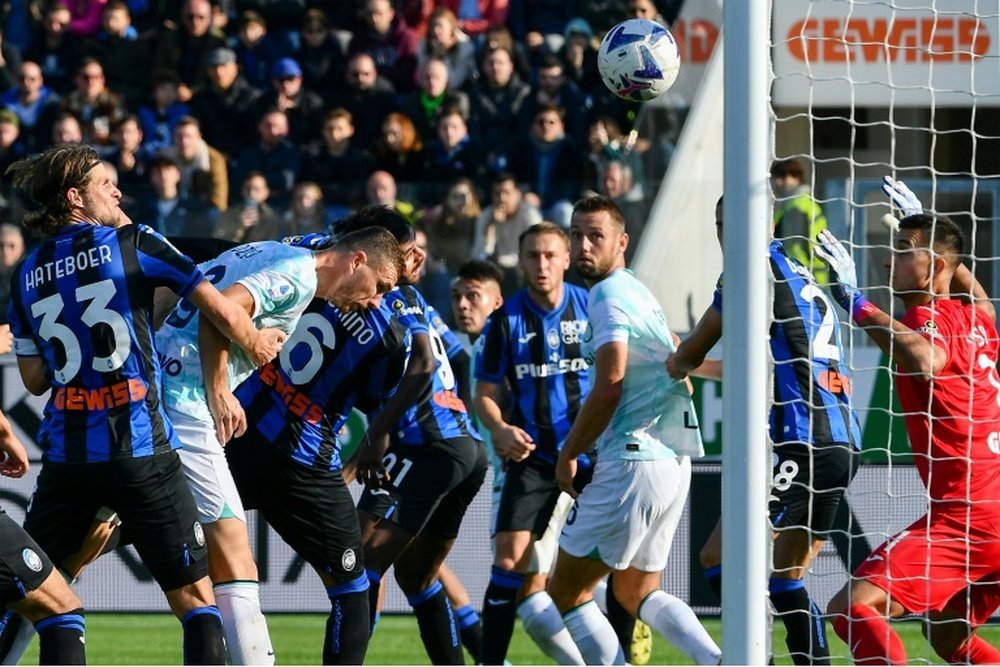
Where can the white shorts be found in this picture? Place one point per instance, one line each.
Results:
(207, 470)
(545, 549)
(628, 514)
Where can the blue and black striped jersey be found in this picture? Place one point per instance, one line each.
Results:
(83, 302)
(538, 353)
(812, 383)
(439, 414)
(333, 362)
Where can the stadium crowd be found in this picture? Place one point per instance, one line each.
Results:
(250, 120)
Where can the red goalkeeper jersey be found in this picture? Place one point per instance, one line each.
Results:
(953, 420)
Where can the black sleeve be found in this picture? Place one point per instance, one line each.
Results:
(460, 365)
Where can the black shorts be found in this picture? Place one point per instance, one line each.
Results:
(311, 509)
(23, 564)
(150, 495)
(431, 486)
(530, 493)
(808, 484)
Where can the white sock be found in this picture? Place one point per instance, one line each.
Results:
(593, 635)
(601, 596)
(20, 644)
(678, 624)
(243, 624)
(544, 624)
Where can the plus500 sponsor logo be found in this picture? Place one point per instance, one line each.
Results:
(553, 368)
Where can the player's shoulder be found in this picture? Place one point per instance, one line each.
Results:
(576, 294)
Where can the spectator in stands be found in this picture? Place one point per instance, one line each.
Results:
(415, 14)
(495, 103)
(453, 154)
(125, 57)
(555, 89)
(254, 219)
(617, 184)
(56, 50)
(400, 150)
(798, 219)
(159, 119)
(303, 107)
(225, 106)
(11, 150)
(646, 9)
(475, 18)
(381, 191)
(337, 164)
(10, 64)
(96, 106)
(550, 164)
(579, 58)
(306, 213)
(391, 44)
(368, 96)
(500, 38)
(34, 104)
(532, 21)
(256, 52)
(85, 16)
(129, 156)
(204, 173)
(423, 105)
(186, 49)
(321, 55)
(601, 15)
(500, 225)
(166, 209)
(445, 40)
(66, 129)
(606, 142)
(451, 225)
(273, 155)
(11, 254)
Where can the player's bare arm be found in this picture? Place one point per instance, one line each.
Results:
(509, 441)
(15, 459)
(33, 374)
(419, 370)
(230, 420)
(689, 359)
(596, 412)
(965, 287)
(234, 322)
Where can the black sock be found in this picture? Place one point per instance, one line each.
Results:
(10, 625)
(499, 612)
(713, 575)
(60, 639)
(620, 620)
(203, 642)
(438, 626)
(806, 634)
(374, 584)
(471, 629)
(348, 627)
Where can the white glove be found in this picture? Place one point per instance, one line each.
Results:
(845, 289)
(902, 197)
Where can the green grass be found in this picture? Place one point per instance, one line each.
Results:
(155, 639)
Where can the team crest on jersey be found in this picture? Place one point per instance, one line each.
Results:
(928, 327)
(348, 560)
(278, 291)
(552, 338)
(32, 560)
(199, 534)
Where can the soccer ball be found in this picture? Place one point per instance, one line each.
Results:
(638, 60)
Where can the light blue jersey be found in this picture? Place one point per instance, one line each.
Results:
(655, 418)
(282, 281)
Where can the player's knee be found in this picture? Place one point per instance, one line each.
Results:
(189, 597)
(412, 581)
(838, 603)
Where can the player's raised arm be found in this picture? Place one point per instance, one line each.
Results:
(965, 287)
(234, 323)
(689, 359)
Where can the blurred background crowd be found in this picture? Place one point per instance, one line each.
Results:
(253, 119)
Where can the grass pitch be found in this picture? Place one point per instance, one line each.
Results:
(155, 639)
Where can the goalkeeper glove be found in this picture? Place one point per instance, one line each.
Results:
(902, 197)
(845, 289)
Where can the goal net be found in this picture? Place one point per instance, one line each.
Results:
(863, 89)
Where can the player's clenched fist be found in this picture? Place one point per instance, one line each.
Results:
(267, 344)
(513, 443)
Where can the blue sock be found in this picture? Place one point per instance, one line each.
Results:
(347, 628)
(60, 639)
(203, 642)
(471, 629)
(805, 630)
(438, 628)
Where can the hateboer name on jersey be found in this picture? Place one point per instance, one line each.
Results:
(66, 266)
